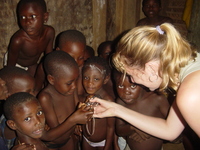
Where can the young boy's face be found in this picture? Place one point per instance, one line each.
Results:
(93, 79)
(65, 84)
(151, 8)
(23, 84)
(32, 18)
(29, 119)
(127, 91)
(105, 54)
(76, 50)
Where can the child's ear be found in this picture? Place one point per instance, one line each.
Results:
(57, 48)
(106, 79)
(46, 17)
(50, 79)
(11, 124)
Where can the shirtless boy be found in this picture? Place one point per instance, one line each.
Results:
(25, 116)
(33, 39)
(16, 80)
(151, 9)
(98, 134)
(135, 97)
(59, 100)
(73, 42)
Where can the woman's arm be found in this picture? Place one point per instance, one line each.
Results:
(168, 129)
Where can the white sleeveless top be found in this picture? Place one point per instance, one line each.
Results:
(191, 67)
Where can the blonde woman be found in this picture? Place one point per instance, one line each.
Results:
(159, 58)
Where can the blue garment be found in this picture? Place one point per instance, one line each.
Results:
(3, 144)
(8, 142)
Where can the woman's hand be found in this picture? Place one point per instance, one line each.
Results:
(104, 108)
(24, 146)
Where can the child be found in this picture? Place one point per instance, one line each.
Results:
(16, 80)
(73, 42)
(59, 100)
(135, 97)
(104, 50)
(89, 52)
(151, 9)
(33, 38)
(96, 73)
(25, 116)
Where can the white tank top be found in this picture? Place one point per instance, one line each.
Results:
(191, 67)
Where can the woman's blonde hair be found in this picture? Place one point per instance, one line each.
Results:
(145, 43)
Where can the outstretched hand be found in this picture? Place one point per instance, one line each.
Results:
(104, 108)
(24, 146)
(82, 115)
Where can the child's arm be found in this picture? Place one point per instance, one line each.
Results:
(13, 50)
(110, 133)
(51, 36)
(123, 128)
(40, 75)
(39, 78)
(80, 116)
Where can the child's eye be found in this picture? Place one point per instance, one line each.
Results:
(23, 17)
(69, 83)
(81, 58)
(40, 113)
(27, 119)
(86, 78)
(107, 54)
(121, 86)
(33, 16)
(96, 79)
(133, 86)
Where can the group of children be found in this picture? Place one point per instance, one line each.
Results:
(47, 89)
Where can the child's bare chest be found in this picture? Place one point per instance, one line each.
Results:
(33, 48)
(64, 108)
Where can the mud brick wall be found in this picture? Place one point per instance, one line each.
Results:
(99, 20)
(174, 9)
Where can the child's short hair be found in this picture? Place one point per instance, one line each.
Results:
(55, 60)
(8, 73)
(99, 62)
(102, 47)
(89, 50)
(158, 1)
(40, 3)
(15, 100)
(71, 36)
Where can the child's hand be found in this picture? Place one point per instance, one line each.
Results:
(139, 136)
(78, 130)
(82, 115)
(24, 146)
